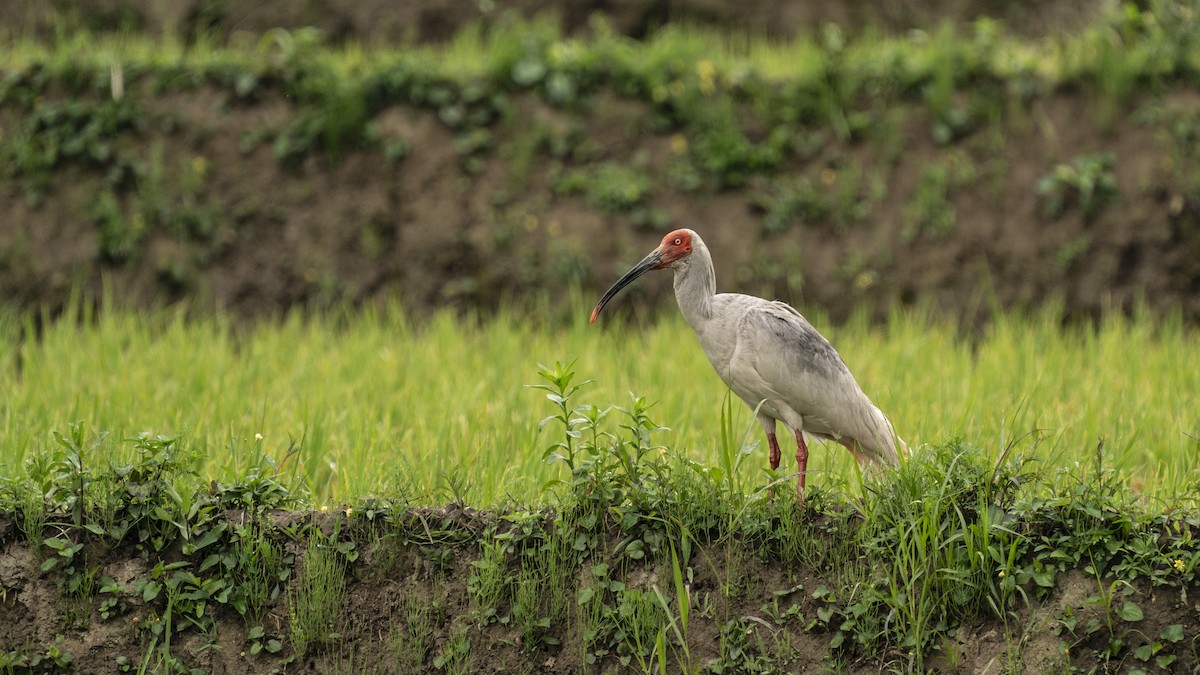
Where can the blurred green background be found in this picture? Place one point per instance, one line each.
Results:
(262, 157)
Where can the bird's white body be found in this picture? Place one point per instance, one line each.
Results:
(767, 353)
(772, 358)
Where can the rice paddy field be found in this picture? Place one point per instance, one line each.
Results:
(372, 402)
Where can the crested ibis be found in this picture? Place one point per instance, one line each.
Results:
(772, 358)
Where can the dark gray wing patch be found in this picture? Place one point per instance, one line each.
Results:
(798, 343)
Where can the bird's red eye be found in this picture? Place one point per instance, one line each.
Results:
(678, 241)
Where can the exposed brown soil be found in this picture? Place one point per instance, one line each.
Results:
(774, 606)
(438, 235)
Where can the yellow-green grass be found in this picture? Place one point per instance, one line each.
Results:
(380, 402)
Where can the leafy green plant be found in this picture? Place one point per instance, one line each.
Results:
(744, 650)
(1087, 181)
(610, 187)
(799, 200)
(559, 391)
(626, 477)
(81, 131)
(260, 640)
(51, 659)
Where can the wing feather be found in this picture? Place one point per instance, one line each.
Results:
(785, 358)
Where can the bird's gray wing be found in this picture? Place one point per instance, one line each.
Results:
(795, 363)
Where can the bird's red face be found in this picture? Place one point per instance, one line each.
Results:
(674, 247)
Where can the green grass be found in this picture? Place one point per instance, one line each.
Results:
(315, 604)
(377, 404)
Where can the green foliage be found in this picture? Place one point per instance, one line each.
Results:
(490, 584)
(744, 106)
(609, 187)
(1088, 182)
(937, 520)
(613, 564)
(152, 503)
(623, 476)
(930, 211)
(922, 371)
(259, 569)
(455, 657)
(51, 659)
(845, 197)
(77, 132)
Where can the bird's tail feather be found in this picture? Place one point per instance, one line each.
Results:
(885, 446)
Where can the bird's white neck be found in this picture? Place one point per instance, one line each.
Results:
(695, 285)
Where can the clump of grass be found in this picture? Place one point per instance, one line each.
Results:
(455, 657)
(411, 638)
(490, 585)
(527, 603)
(259, 568)
(315, 602)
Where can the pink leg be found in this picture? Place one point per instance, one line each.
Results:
(801, 462)
(774, 451)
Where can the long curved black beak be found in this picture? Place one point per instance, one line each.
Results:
(649, 263)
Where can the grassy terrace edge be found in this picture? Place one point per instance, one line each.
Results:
(641, 559)
(695, 79)
(1132, 45)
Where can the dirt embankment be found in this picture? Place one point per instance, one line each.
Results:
(1055, 196)
(411, 600)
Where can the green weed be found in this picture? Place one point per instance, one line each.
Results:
(410, 639)
(315, 602)
(1088, 181)
(455, 657)
(490, 584)
(930, 210)
(609, 187)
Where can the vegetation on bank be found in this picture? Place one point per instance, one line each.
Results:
(732, 108)
(641, 559)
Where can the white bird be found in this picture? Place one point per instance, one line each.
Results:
(772, 358)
